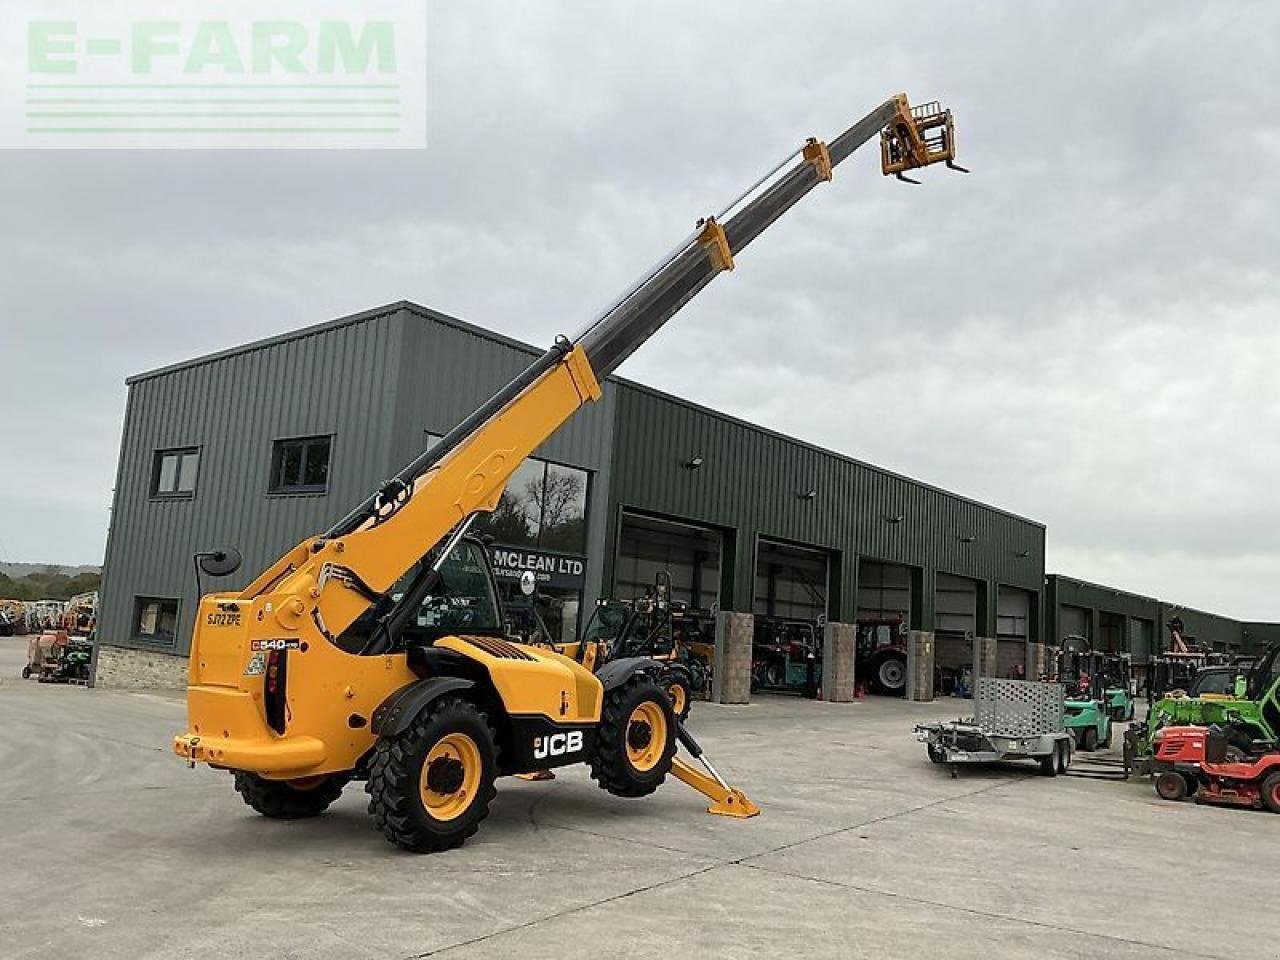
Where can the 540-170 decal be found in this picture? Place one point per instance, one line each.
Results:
(293, 644)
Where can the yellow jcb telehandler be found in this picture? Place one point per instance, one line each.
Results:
(376, 650)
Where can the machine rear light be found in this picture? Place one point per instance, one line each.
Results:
(274, 689)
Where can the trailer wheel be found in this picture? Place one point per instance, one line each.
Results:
(637, 739)
(289, 799)
(430, 787)
(1171, 786)
(936, 753)
(1271, 792)
(1049, 763)
(26, 673)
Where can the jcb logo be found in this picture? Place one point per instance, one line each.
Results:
(557, 745)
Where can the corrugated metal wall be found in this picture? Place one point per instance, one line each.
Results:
(1145, 617)
(753, 482)
(377, 382)
(338, 380)
(1258, 636)
(1078, 607)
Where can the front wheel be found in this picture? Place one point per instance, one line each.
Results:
(1089, 739)
(430, 786)
(289, 799)
(681, 697)
(636, 741)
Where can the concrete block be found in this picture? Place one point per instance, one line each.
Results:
(1037, 661)
(920, 650)
(132, 669)
(731, 676)
(839, 641)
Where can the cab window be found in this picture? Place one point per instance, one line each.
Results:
(462, 601)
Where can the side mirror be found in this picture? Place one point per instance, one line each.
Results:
(528, 583)
(220, 563)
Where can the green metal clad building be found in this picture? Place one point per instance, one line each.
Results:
(265, 444)
(1116, 620)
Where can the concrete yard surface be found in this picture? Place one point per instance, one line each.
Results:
(111, 848)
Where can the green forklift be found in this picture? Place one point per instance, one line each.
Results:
(1089, 709)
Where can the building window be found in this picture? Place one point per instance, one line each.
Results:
(300, 465)
(173, 473)
(544, 506)
(155, 619)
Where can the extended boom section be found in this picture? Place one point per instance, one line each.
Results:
(378, 651)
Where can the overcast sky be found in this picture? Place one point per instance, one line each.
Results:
(1084, 331)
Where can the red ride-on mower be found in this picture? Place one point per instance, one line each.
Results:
(1200, 763)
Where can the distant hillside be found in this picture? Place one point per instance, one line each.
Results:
(17, 570)
(46, 581)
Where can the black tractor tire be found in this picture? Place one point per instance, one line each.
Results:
(400, 784)
(631, 758)
(289, 800)
(1171, 786)
(888, 676)
(1089, 739)
(697, 674)
(1271, 792)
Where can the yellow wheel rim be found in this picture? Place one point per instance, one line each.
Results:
(450, 776)
(676, 692)
(646, 736)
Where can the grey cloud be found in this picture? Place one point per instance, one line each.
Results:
(1081, 331)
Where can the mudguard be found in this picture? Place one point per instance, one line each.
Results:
(617, 672)
(397, 712)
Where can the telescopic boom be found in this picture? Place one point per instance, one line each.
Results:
(333, 578)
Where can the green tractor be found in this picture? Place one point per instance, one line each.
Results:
(1249, 722)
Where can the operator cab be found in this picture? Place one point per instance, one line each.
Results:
(430, 601)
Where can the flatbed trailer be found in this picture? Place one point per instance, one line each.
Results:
(1013, 720)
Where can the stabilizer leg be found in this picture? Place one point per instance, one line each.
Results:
(726, 801)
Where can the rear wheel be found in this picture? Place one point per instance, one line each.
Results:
(889, 676)
(430, 787)
(680, 696)
(289, 799)
(637, 739)
(1171, 786)
(1049, 764)
(1271, 792)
